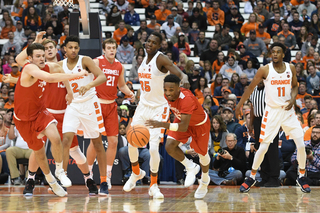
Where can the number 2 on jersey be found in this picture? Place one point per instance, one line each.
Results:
(283, 89)
(145, 86)
(74, 87)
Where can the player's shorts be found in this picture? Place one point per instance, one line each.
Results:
(273, 118)
(110, 119)
(59, 117)
(32, 131)
(200, 136)
(144, 113)
(85, 116)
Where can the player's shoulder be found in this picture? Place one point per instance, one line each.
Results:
(185, 94)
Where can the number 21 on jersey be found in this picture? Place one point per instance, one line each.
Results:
(145, 86)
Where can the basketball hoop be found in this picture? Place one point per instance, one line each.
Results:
(62, 3)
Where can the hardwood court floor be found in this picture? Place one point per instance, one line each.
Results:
(177, 199)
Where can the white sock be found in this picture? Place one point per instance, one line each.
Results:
(109, 169)
(205, 177)
(187, 163)
(59, 166)
(253, 176)
(50, 178)
(31, 175)
(90, 168)
(86, 177)
(300, 174)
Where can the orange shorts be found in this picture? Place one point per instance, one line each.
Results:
(110, 119)
(59, 118)
(200, 136)
(31, 131)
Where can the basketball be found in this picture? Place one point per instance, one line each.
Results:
(138, 136)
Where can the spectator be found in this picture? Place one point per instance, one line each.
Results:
(230, 67)
(170, 26)
(313, 81)
(133, 76)
(132, 17)
(143, 27)
(231, 156)
(176, 17)
(165, 47)
(308, 56)
(315, 24)
(26, 10)
(5, 16)
(228, 117)
(308, 6)
(185, 26)
(207, 72)
(181, 11)
(241, 85)
(201, 44)
(32, 19)
(242, 132)
(210, 54)
(264, 36)
(122, 5)
(9, 27)
(202, 84)
(120, 32)
(251, 25)
(224, 84)
(189, 67)
(11, 43)
(175, 37)
(296, 24)
(290, 39)
(234, 19)
(201, 20)
(65, 34)
(273, 25)
(249, 71)
(217, 64)
(114, 17)
(313, 43)
(302, 92)
(194, 33)
(215, 15)
(262, 10)
(4, 144)
(248, 7)
(19, 34)
(182, 61)
(225, 39)
(55, 24)
(162, 13)
(17, 10)
(150, 10)
(125, 52)
(287, 54)
(153, 22)
(50, 34)
(190, 8)
(298, 58)
(104, 9)
(182, 45)
(255, 45)
(4, 91)
(301, 74)
(234, 80)
(194, 78)
(14, 73)
(7, 67)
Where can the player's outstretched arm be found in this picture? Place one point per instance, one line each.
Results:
(294, 89)
(123, 87)
(167, 65)
(261, 74)
(180, 127)
(90, 65)
(7, 78)
(59, 69)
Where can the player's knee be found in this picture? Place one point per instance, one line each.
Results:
(204, 160)
(154, 150)
(112, 142)
(170, 145)
(77, 155)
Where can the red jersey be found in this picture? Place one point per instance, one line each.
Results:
(187, 103)
(29, 101)
(108, 91)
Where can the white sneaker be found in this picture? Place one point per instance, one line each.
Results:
(131, 182)
(57, 189)
(154, 191)
(109, 182)
(64, 180)
(201, 190)
(191, 175)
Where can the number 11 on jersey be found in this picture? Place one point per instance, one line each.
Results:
(283, 89)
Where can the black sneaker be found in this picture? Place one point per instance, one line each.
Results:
(304, 186)
(28, 189)
(248, 183)
(91, 185)
(103, 189)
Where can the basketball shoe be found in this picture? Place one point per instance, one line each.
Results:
(61, 175)
(303, 185)
(154, 191)
(91, 185)
(28, 189)
(131, 182)
(248, 183)
(57, 189)
(191, 175)
(201, 190)
(103, 189)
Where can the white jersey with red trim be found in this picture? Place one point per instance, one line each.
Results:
(278, 86)
(151, 81)
(78, 82)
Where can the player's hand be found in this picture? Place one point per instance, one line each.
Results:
(69, 98)
(237, 111)
(84, 89)
(153, 124)
(289, 106)
(6, 78)
(185, 82)
(39, 38)
(192, 153)
(132, 97)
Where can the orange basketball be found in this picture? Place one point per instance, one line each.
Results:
(138, 136)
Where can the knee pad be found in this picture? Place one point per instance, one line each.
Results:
(77, 155)
(204, 160)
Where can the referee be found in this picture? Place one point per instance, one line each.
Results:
(270, 169)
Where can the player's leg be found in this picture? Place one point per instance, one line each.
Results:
(91, 155)
(111, 155)
(205, 179)
(66, 142)
(32, 167)
(57, 152)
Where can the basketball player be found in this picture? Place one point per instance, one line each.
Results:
(281, 89)
(107, 93)
(191, 121)
(56, 106)
(32, 119)
(84, 112)
(152, 106)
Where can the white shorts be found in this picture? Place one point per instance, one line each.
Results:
(85, 116)
(273, 118)
(144, 113)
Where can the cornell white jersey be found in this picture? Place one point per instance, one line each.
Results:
(76, 83)
(151, 82)
(278, 86)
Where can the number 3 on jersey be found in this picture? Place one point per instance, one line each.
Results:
(145, 86)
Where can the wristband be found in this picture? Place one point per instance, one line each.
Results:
(12, 124)
(174, 127)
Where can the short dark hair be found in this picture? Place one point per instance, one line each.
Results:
(34, 46)
(158, 35)
(278, 44)
(72, 38)
(172, 79)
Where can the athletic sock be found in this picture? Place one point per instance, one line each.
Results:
(87, 176)
(301, 172)
(187, 163)
(136, 169)
(31, 175)
(253, 175)
(50, 178)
